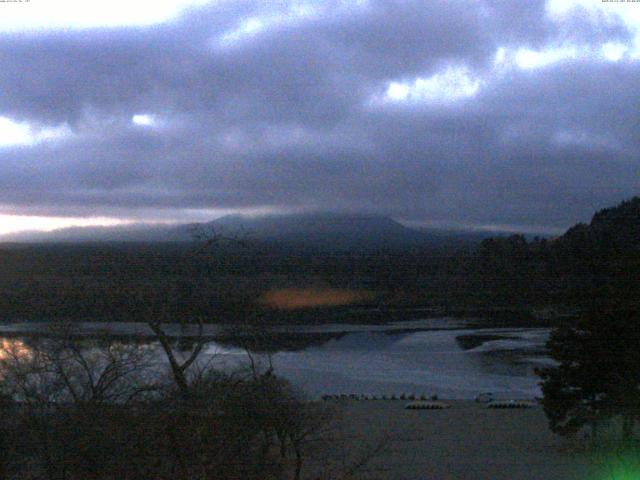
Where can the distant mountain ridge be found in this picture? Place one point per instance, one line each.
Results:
(336, 230)
(323, 230)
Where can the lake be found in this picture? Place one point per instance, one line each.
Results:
(449, 362)
(446, 357)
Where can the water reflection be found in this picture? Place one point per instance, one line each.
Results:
(429, 362)
(453, 363)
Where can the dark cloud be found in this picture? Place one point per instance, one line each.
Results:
(291, 116)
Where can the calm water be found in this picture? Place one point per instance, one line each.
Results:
(434, 356)
(451, 362)
(429, 362)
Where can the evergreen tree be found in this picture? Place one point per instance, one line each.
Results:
(598, 372)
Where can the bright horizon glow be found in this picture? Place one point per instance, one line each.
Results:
(24, 223)
(35, 223)
(40, 223)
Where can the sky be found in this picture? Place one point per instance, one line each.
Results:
(448, 113)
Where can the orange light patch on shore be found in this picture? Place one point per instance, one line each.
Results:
(297, 298)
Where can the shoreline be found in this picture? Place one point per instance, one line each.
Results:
(220, 329)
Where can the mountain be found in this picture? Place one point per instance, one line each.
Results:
(340, 231)
(317, 230)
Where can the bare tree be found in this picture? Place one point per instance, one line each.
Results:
(179, 366)
(64, 393)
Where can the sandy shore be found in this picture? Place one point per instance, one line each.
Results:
(466, 441)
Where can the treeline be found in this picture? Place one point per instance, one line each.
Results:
(225, 280)
(223, 283)
(588, 265)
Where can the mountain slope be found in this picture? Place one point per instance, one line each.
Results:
(322, 229)
(316, 230)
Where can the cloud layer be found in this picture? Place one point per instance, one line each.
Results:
(468, 112)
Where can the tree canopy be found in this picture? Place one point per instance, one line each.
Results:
(598, 371)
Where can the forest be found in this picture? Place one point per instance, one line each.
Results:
(227, 280)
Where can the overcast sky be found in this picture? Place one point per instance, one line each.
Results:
(474, 113)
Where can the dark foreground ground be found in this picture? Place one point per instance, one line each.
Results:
(467, 441)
